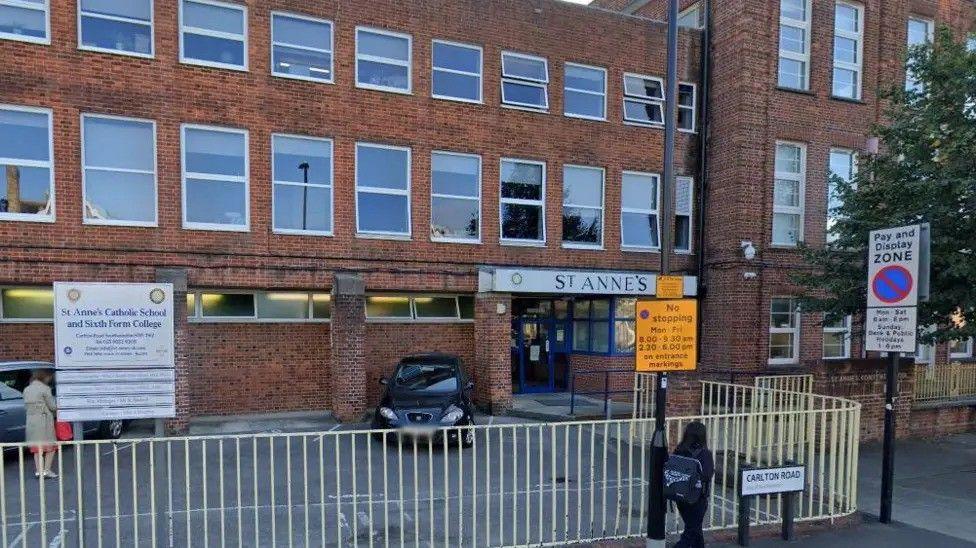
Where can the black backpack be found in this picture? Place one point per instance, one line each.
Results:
(683, 478)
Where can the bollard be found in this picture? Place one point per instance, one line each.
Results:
(789, 502)
(744, 502)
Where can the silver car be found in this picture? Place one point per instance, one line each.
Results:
(14, 377)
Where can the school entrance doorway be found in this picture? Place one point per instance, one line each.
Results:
(540, 345)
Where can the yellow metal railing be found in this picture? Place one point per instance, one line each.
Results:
(791, 383)
(945, 382)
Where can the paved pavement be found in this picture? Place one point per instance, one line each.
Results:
(870, 534)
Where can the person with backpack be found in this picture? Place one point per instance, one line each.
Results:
(687, 481)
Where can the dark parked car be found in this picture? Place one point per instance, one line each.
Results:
(14, 377)
(426, 393)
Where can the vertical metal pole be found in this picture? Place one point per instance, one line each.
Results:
(789, 511)
(743, 536)
(606, 395)
(659, 452)
(888, 458)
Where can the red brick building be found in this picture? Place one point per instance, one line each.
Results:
(334, 184)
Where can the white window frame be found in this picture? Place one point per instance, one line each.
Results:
(519, 80)
(246, 179)
(198, 317)
(845, 330)
(858, 38)
(152, 31)
(386, 60)
(602, 208)
(930, 36)
(541, 203)
(330, 186)
(5, 319)
(693, 108)
(924, 353)
(602, 94)
(802, 58)
(795, 331)
(690, 214)
(84, 178)
(696, 9)
(455, 197)
(49, 164)
(382, 234)
(644, 211)
(46, 8)
(215, 34)
(330, 51)
(479, 74)
(642, 99)
(801, 184)
(967, 352)
(830, 188)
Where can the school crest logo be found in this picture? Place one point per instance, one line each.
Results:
(157, 295)
(74, 295)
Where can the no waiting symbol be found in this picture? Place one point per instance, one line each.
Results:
(892, 284)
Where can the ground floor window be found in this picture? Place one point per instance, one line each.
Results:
(604, 326)
(961, 349)
(26, 304)
(421, 308)
(258, 306)
(784, 331)
(837, 338)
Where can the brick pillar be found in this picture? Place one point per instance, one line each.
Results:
(493, 359)
(348, 338)
(178, 277)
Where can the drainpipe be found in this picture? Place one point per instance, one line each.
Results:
(705, 80)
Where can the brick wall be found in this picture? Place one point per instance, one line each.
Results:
(258, 367)
(941, 421)
(26, 341)
(386, 343)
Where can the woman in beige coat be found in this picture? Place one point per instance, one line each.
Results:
(41, 407)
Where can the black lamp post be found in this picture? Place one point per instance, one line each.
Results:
(304, 167)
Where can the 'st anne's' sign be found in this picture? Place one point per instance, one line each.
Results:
(667, 336)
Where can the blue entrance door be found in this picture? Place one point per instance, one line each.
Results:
(539, 359)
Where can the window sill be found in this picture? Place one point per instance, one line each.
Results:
(847, 100)
(584, 117)
(648, 125)
(287, 232)
(46, 41)
(522, 243)
(525, 108)
(208, 64)
(398, 91)
(216, 228)
(457, 99)
(785, 247)
(455, 241)
(790, 363)
(125, 224)
(123, 53)
(303, 78)
(397, 237)
(640, 249)
(26, 217)
(806, 92)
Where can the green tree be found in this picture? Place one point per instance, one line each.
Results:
(925, 171)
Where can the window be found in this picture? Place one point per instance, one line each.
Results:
(215, 179)
(213, 34)
(639, 227)
(692, 17)
(456, 71)
(118, 170)
(788, 192)
(843, 164)
(686, 107)
(25, 20)
(583, 206)
(784, 331)
(643, 99)
(585, 93)
(258, 306)
(421, 308)
(455, 197)
(604, 325)
(301, 47)
(920, 33)
(794, 44)
(26, 304)
(961, 349)
(684, 192)
(848, 48)
(525, 81)
(925, 353)
(301, 171)
(116, 26)
(382, 190)
(26, 164)
(837, 338)
(523, 193)
(383, 60)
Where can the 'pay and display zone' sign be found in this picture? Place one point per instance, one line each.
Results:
(766, 481)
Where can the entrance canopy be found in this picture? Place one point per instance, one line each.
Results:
(574, 282)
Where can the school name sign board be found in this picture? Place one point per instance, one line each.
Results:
(113, 325)
(767, 481)
(114, 350)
